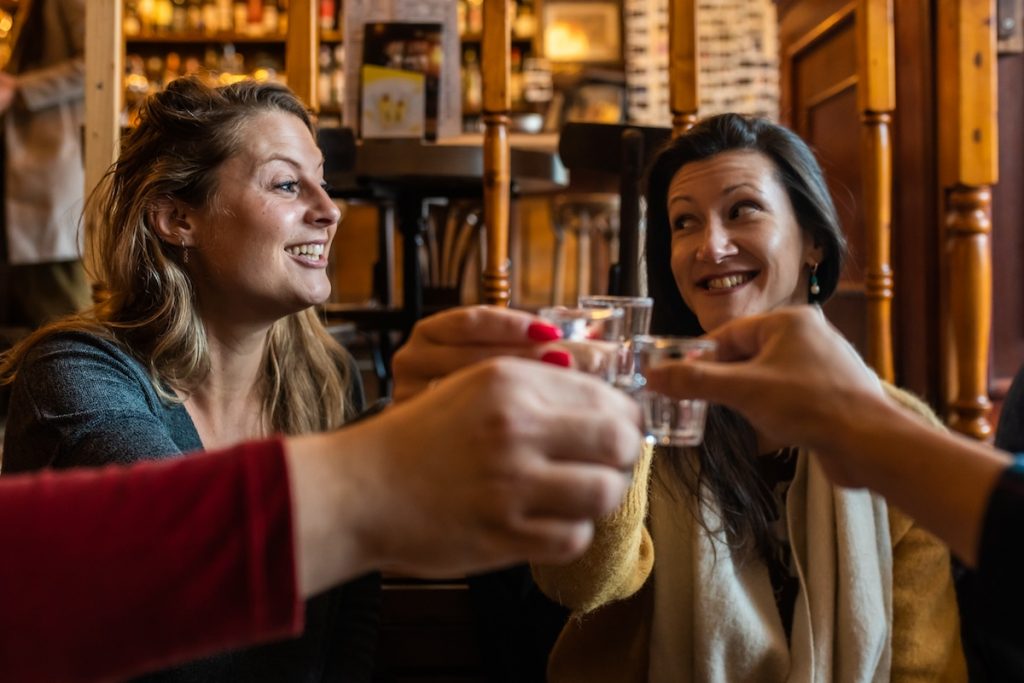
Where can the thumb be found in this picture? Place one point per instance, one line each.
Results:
(708, 380)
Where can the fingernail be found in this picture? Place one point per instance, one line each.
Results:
(561, 358)
(543, 332)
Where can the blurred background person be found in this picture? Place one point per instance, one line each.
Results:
(42, 102)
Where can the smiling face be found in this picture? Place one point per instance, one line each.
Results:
(259, 249)
(737, 249)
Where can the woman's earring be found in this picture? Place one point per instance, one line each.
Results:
(815, 289)
(184, 249)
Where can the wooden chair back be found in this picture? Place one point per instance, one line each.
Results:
(615, 155)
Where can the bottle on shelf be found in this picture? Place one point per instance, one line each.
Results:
(525, 23)
(328, 15)
(239, 16)
(131, 23)
(194, 16)
(179, 16)
(271, 18)
(472, 83)
(475, 16)
(210, 17)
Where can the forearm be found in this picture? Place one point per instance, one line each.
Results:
(941, 480)
(619, 558)
(330, 507)
(56, 84)
(111, 572)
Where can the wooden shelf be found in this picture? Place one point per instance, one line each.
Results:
(477, 37)
(194, 37)
(184, 38)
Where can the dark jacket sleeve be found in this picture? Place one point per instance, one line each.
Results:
(992, 597)
(79, 400)
(109, 572)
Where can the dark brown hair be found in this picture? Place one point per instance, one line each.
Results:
(725, 467)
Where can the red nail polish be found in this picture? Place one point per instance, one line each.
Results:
(560, 358)
(543, 332)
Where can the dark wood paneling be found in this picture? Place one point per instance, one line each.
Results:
(1008, 228)
(821, 61)
(833, 128)
(915, 226)
(831, 124)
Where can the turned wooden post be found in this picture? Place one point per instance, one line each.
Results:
(876, 99)
(301, 50)
(683, 68)
(495, 49)
(968, 167)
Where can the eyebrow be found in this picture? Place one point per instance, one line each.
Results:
(289, 160)
(727, 191)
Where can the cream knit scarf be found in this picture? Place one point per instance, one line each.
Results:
(715, 620)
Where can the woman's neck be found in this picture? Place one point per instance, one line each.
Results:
(227, 407)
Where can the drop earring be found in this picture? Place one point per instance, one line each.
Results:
(815, 289)
(184, 249)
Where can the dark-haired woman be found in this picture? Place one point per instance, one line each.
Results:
(737, 560)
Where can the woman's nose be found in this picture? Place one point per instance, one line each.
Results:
(716, 243)
(323, 210)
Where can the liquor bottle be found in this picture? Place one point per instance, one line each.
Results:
(132, 24)
(225, 9)
(338, 76)
(324, 76)
(240, 16)
(179, 16)
(271, 19)
(254, 18)
(460, 17)
(475, 16)
(525, 24)
(194, 13)
(211, 17)
(472, 83)
(164, 15)
(328, 15)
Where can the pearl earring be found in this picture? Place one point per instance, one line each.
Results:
(184, 249)
(815, 289)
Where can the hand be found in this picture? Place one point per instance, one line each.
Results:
(8, 88)
(789, 372)
(449, 341)
(507, 461)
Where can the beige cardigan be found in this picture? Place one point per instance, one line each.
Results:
(876, 600)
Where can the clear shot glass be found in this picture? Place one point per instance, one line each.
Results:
(636, 321)
(592, 335)
(668, 421)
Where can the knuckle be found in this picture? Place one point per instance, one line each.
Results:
(607, 493)
(573, 542)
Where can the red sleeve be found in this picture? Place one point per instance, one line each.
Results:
(111, 572)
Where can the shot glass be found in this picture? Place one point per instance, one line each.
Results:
(592, 335)
(636, 321)
(668, 421)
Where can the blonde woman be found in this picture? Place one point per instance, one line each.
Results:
(209, 237)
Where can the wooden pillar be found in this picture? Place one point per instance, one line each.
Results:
(301, 50)
(968, 167)
(876, 99)
(495, 48)
(683, 68)
(103, 73)
(103, 70)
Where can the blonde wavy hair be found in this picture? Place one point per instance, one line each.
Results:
(145, 300)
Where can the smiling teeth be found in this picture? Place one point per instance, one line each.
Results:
(312, 250)
(727, 281)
